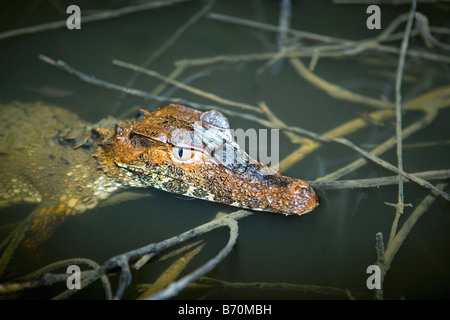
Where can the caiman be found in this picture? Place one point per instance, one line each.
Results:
(65, 166)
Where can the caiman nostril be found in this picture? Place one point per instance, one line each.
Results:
(303, 195)
(299, 186)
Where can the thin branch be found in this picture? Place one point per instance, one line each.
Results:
(344, 46)
(340, 131)
(125, 276)
(284, 22)
(93, 80)
(135, 92)
(210, 283)
(378, 182)
(44, 277)
(168, 43)
(175, 287)
(89, 18)
(407, 226)
(336, 91)
(395, 244)
(183, 86)
(155, 248)
(273, 28)
(398, 114)
(383, 147)
(282, 37)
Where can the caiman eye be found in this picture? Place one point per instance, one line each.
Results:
(182, 154)
(185, 155)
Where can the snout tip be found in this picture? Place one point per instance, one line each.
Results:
(304, 198)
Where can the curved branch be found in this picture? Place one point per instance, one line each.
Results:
(175, 287)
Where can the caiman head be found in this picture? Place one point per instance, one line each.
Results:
(192, 153)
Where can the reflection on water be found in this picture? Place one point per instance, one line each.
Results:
(275, 256)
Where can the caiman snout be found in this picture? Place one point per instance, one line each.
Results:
(297, 197)
(303, 195)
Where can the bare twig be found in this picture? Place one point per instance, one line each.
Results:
(282, 38)
(396, 242)
(135, 92)
(272, 28)
(186, 87)
(210, 283)
(122, 261)
(343, 46)
(340, 131)
(167, 44)
(285, 22)
(398, 114)
(155, 248)
(125, 276)
(336, 91)
(378, 182)
(170, 274)
(90, 18)
(44, 277)
(93, 80)
(175, 287)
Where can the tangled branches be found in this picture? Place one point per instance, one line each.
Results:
(290, 48)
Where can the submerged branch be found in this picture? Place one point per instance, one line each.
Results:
(210, 283)
(155, 248)
(41, 276)
(175, 287)
(44, 277)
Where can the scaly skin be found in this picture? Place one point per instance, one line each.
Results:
(146, 151)
(51, 158)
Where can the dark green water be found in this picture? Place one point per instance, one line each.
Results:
(331, 246)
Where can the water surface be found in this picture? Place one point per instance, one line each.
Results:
(330, 247)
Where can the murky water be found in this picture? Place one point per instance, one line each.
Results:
(330, 247)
